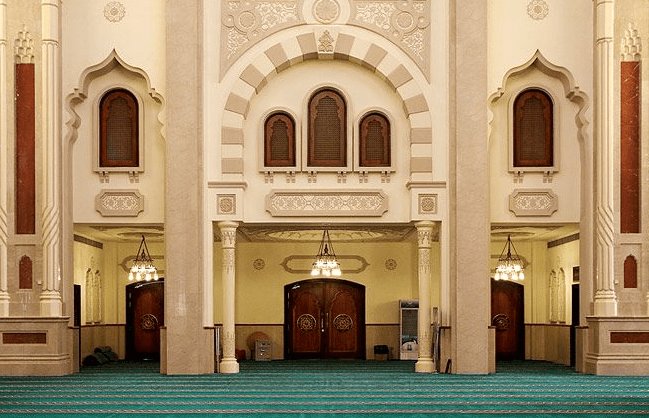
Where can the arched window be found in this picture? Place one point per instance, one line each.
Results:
(533, 129)
(279, 140)
(374, 132)
(630, 273)
(118, 129)
(327, 143)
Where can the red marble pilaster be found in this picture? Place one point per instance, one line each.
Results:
(630, 147)
(25, 150)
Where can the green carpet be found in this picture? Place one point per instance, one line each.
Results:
(325, 389)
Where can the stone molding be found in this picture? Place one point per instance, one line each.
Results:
(327, 203)
(533, 202)
(631, 46)
(24, 47)
(119, 203)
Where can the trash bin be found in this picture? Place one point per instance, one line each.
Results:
(381, 352)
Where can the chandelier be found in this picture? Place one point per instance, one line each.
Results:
(510, 267)
(143, 267)
(325, 263)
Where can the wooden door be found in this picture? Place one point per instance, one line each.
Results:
(144, 317)
(325, 318)
(507, 315)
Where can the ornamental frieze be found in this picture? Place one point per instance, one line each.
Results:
(327, 203)
(404, 22)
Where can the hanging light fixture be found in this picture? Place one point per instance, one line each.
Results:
(325, 263)
(143, 268)
(510, 267)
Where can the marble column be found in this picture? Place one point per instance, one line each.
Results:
(4, 294)
(424, 239)
(50, 300)
(228, 238)
(469, 189)
(605, 303)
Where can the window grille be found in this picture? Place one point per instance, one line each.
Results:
(327, 140)
(279, 141)
(533, 130)
(374, 141)
(118, 137)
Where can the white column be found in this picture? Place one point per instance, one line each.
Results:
(51, 304)
(228, 238)
(4, 121)
(605, 299)
(424, 238)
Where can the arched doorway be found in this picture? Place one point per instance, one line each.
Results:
(144, 317)
(507, 316)
(324, 318)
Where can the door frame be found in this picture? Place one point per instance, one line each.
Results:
(361, 351)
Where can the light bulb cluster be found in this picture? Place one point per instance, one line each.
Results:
(510, 270)
(325, 267)
(141, 271)
(325, 263)
(510, 267)
(143, 268)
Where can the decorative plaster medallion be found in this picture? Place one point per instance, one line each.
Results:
(427, 203)
(326, 11)
(259, 264)
(538, 9)
(343, 322)
(326, 44)
(114, 11)
(533, 202)
(391, 264)
(24, 47)
(226, 204)
(119, 203)
(329, 203)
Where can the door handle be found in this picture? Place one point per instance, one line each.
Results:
(321, 323)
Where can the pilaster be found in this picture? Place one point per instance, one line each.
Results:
(51, 303)
(228, 238)
(4, 294)
(605, 303)
(424, 238)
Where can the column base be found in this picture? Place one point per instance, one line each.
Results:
(51, 305)
(4, 304)
(424, 365)
(605, 303)
(229, 366)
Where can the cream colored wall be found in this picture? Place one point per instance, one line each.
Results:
(564, 257)
(87, 257)
(113, 261)
(139, 38)
(259, 302)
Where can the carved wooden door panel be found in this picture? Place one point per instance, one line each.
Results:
(325, 318)
(507, 315)
(305, 314)
(144, 317)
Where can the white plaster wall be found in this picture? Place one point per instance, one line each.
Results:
(139, 38)
(88, 257)
(564, 37)
(565, 256)
(290, 90)
(565, 182)
(87, 184)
